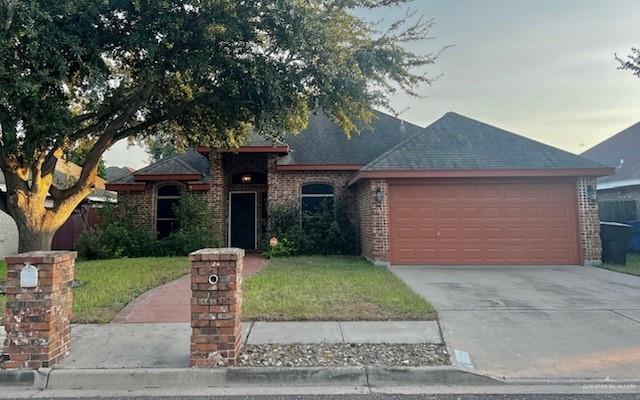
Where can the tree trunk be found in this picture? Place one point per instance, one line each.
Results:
(33, 239)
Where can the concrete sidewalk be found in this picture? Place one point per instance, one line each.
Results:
(167, 345)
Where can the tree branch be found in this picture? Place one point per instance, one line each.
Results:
(86, 181)
(11, 10)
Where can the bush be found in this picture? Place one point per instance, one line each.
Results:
(195, 228)
(325, 232)
(116, 236)
(284, 248)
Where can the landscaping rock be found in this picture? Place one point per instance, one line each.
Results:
(76, 284)
(343, 355)
(3, 288)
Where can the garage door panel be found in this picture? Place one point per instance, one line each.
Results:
(492, 223)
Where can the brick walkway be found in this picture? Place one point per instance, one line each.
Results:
(171, 302)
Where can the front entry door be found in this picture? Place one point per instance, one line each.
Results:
(243, 221)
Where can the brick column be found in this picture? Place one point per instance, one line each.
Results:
(218, 197)
(589, 219)
(37, 318)
(216, 299)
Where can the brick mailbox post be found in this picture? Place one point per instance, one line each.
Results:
(216, 300)
(38, 312)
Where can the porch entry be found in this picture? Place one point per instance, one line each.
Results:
(242, 220)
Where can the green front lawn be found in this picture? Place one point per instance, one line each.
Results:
(296, 288)
(330, 288)
(110, 284)
(632, 267)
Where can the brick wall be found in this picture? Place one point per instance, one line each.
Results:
(217, 197)
(216, 307)
(37, 320)
(589, 222)
(623, 193)
(373, 220)
(285, 186)
(140, 206)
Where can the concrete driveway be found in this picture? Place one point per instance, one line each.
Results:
(537, 321)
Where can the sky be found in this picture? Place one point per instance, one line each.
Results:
(544, 69)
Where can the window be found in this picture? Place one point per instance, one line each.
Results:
(314, 195)
(168, 198)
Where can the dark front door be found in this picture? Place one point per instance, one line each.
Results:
(243, 220)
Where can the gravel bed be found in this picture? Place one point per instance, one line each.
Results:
(343, 355)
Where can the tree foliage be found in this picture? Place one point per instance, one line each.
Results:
(631, 62)
(202, 71)
(161, 145)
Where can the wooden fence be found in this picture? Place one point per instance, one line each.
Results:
(82, 219)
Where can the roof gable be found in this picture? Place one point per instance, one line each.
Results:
(189, 163)
(456, 142)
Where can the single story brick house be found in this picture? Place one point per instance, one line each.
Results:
(456, 192)
(619, 194)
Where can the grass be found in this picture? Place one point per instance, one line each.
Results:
(330, 288)
(296, 288)
(110, 284)
(632, 267)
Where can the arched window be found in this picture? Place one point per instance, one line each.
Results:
(314, 195)
(168, 199)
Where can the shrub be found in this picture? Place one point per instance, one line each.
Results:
(195, 228)
(327, 231)
(116, 236)
(284, 248)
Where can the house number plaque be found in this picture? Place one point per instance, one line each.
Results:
(28, 276)
(213, 279)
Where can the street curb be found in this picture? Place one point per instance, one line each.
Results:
(17, 378)
(193, 378)
(25, 378)
(427, 376)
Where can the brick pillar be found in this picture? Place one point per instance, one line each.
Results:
(380, 222)
(216, 307)
(589, 219)
(37, 318)
(218, 197)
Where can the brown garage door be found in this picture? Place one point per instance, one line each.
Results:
(498, 222)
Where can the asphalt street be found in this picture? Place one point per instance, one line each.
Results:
(596, 396)
(602, 396)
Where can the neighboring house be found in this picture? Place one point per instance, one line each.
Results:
(456, 192)
(115, 173)
(619, 194)
(65, 175)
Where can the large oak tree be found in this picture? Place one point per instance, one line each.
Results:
(204, 71)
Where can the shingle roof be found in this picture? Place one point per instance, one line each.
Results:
(114, 173)
(456, 142)
(190, 162)
(323, 142)
(621, 151)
